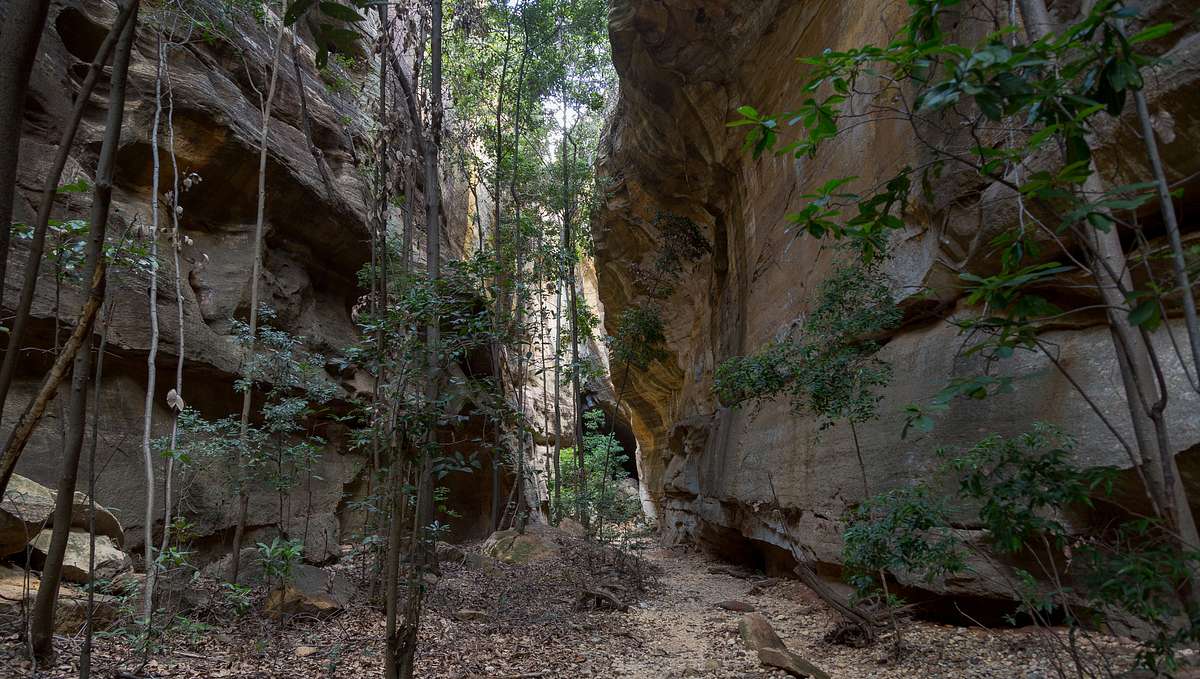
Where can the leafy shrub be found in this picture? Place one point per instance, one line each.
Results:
(279, 558)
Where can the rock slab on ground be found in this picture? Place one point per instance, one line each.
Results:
(110, 561)
(515, 547)
(70, 613)
(306, 579)
(289, 600)
(24, 510)
(759, 636)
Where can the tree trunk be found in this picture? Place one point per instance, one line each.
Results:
(42, 630)
(406, 643)
(23, 24)
(255, 273)
(33, 260)
(85, 652)
(1139, 371)
(151, 356)
(1171, 222)
(176, 247)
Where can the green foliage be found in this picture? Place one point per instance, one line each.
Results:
(237, 597)
(281, 450)
(1023, 483)
(901, 531)
(604, 497)
(1141, 571)
(333, 33)
(1019, 490)
(279, 558)
(639, 339)
(828, 364)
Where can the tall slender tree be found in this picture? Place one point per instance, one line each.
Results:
(42, 628)
(19, 39)
(255, 274)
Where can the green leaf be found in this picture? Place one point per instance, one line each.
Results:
(77, 186)
(338, 11)
(344, 39)
(296, 9)
(1152, 33)
(1146, 315)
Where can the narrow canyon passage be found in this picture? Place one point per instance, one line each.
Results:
(507, 339)
(493, 620)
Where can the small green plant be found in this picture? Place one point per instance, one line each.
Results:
(191, 630)
(904, 532)
(900, 531)
(237, 597)
(604, 497)
(279, 558)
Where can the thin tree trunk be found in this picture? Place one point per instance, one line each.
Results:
(558, 286)
(33, 259)
(518, 332)
(177, 404)
(255, 274)
(392, 659)
(576, 392)
(151, 356)
(306, 119)
(1171, 222)
(501, 281)
(558, 508)
(42, 631)
(407, 637)
(19, 38)
(1140, 374)
(85, 653)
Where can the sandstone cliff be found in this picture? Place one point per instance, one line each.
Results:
(684, 68)
(316, 243)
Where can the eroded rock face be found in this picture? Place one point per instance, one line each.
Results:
(716, 474)
(316, 241)
(317, 222)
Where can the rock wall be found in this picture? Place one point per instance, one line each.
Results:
(715, 474)
(317, 240)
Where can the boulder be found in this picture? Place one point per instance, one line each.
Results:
(513, 547)
(783, 659)
(572, 527)
(106, 524)
(305, 578)
(448, 553)
(757, 633)
(289, 600)
(110, 560)
(24, 511)
(70, 613)
(759, 636)
(27, 508)
(13, 587)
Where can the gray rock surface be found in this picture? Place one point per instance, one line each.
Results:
(742, 482)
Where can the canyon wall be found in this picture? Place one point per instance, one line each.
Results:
(216, 71)
(718, 475)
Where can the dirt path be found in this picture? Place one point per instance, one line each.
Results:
(524, 622)
(686, 634)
